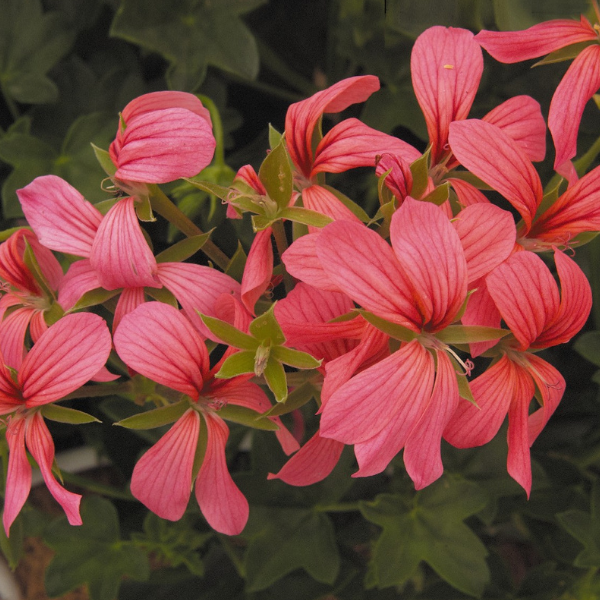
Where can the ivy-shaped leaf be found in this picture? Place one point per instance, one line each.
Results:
(429, 529)
(192, 35)
(92, 554)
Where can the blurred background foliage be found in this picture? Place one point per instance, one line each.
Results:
(66, 69)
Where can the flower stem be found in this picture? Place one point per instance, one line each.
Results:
(282, 246)
(99, 391)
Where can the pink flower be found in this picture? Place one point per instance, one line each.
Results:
(67, 355)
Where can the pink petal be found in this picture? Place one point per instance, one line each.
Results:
(18, 479)
(162, 100)
(521, 118)
(543, 38)
(422, 453)
(487, 234)
(65, 357)
(258, 269)
(579, 84)
(352, 144)
(198, 289)
(50, 267)
(303, 116)
(10, 396)
(39, 443)
(380, 395)
(321, 200)
(494, 157)
(37, 325)
(446, 67)
(157, 341)
(79, 279)
(431, 257)
(399, 180)
(162, 478)
(129, 300)
(467, 193)
(12, 265)
(221, 502)
(519, 458)
(493, 391)
(12, 336)
(61, 217)
(312, 463)
(526, 295)
(249, 176)
(120, 254)
(364, 267)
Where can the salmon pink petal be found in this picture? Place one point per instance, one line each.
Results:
(521, 118)
(551, 385)
(129, 300)
(198, 289)
(431, 256)
(303, 116)
(312, 463)
(162, 100)
(352, 144)
(158, 341)
(162, 478)
(481, 310)
(10, 395)
(575, 304)
(79, 279)
(467, 193)
(221, 502)
(12, 336)
(543, 38)
(249, 176)
(493, 391)
(422, 452)
(39, 443)
(37, 325)
(18, 479)
(519, 458)
(50, 267)
(380, 395)
(120, 254)
(526, 295)
(399, 180)
(61, 217)
(321, 200)
(258, 269)
(364, 267)
(446, 66)
(487, 234)
(164, 145)
(65, 357)
(580, 83)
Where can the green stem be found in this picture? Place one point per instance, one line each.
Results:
(99, 391)
(99, 488)
(217, 125)
(165, 208)
(282, 246)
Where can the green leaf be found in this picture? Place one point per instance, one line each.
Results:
(295, 358)
(274, 137)
(92, 554)
(439, 195)
(420, 173)
(566, 53)
(236, 265)
(4, 235)
(521, 14)
(276, 380)
(229, 334)
(394, 330)
(62, 414)
(184, 249)
(275, 174)
(104, 160)
(237, 364)
(289, 539)
(265, 328)
(588, 345)
(467, 334)
(429, 529)
(191, 35)
(33, 267)
(246, 416)
(156, 417)
(297, 398)
(208, 186)
(305, 216)
(94, 297)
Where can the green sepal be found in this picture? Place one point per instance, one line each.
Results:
(94, 297)
(550, 196)
(420, 174)
(297, 398)
(472, 179)
(275, 174)
(156, 417)
(4, 235)
(236, 265)
(34, 268)
(305, 216)
(265, 328)
(383, 191)
(295, 358)
(162, 295)
(468, 334)
(207, 186)
(247, 203)
(274, 137)
(349, 204)
(105, 205)
(184, 249)
(566, 53)
(439, 195)
(143, 209)
(260, 222)
(237, 364)
(246, 416)
(464, 390)
(274, 375)
(103, 157)
(229, 334)
(62, 414)
(54, 314)
(200, 448)
(583, 238)
(392, 329)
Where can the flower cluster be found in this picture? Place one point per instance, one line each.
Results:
(385, 315)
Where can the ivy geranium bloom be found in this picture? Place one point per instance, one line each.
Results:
(577, 87)
(66, 355)
(529, 302)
